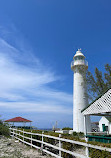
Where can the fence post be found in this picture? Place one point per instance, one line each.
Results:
(42, 142)
(19, 133)
(13, 132)
(59, 145)
(10, 131)
(16, 132)
(23, 135)
(85, 132)
(87, 150)
(31, 138)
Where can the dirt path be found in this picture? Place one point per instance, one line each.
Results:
(11, 148)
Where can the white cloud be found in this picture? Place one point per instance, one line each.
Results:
(26, 83)
(35, 107)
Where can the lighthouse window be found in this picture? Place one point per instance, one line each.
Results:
(79, 58)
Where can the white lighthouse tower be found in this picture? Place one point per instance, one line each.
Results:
(80, 100)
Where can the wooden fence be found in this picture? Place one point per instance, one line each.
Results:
(19, 134)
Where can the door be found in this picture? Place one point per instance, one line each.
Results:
(103, 127)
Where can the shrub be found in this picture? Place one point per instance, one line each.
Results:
(95, 153)
(4, 129)
(75, 134)
(66, 128)
(81, 134)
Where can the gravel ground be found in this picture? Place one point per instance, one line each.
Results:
(11, 148)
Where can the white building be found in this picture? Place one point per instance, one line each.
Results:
(100, 107)
(80, 99)
(105, 124)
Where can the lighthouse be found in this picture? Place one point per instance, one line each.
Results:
(80, 99)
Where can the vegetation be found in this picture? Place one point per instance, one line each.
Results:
(99, 82)
(97, 85)
(66, 128)
(4, 129)
(94, 153)
(80, 134)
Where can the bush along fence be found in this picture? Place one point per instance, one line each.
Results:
(60, 147)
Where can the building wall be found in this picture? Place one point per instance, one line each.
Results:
(110, 128)
(103, 120)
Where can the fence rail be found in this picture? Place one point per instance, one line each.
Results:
(21, 133)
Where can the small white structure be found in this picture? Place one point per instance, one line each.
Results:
(105, 124)
(64, 131)
(101, 107)
(80, 100)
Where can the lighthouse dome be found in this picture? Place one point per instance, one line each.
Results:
(79, 53)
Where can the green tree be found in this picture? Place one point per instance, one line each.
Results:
(99, 82)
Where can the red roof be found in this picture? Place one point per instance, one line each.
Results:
(18, 119)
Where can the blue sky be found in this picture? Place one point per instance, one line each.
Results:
(38, 39)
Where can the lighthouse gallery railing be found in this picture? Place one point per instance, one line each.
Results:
(79, 62)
